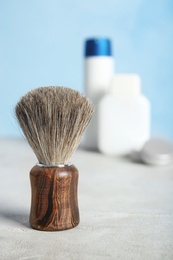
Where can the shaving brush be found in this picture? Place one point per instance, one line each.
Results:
(53, 120)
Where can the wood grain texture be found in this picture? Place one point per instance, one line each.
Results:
(54, 201)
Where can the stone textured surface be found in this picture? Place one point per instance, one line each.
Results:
(126, 210)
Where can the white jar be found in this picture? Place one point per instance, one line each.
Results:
(124, 117)
(98, 71)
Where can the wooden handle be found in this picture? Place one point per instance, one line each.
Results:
(54, 203)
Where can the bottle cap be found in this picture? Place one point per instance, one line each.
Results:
(125, 84)
(98, 47)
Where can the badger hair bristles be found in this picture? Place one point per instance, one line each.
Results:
(53, 120)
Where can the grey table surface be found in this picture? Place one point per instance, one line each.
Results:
(126, 209)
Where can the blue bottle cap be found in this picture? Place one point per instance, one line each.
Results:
(98, 47)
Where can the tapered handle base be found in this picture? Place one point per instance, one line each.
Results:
(54, 201)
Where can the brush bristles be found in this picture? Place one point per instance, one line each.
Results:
(53, 120)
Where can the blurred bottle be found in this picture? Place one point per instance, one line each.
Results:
(124, 116)
(98, 71)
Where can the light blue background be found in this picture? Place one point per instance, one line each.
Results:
(41, 43)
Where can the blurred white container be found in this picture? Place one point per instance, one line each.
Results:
(98, 71)
(124, 116)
